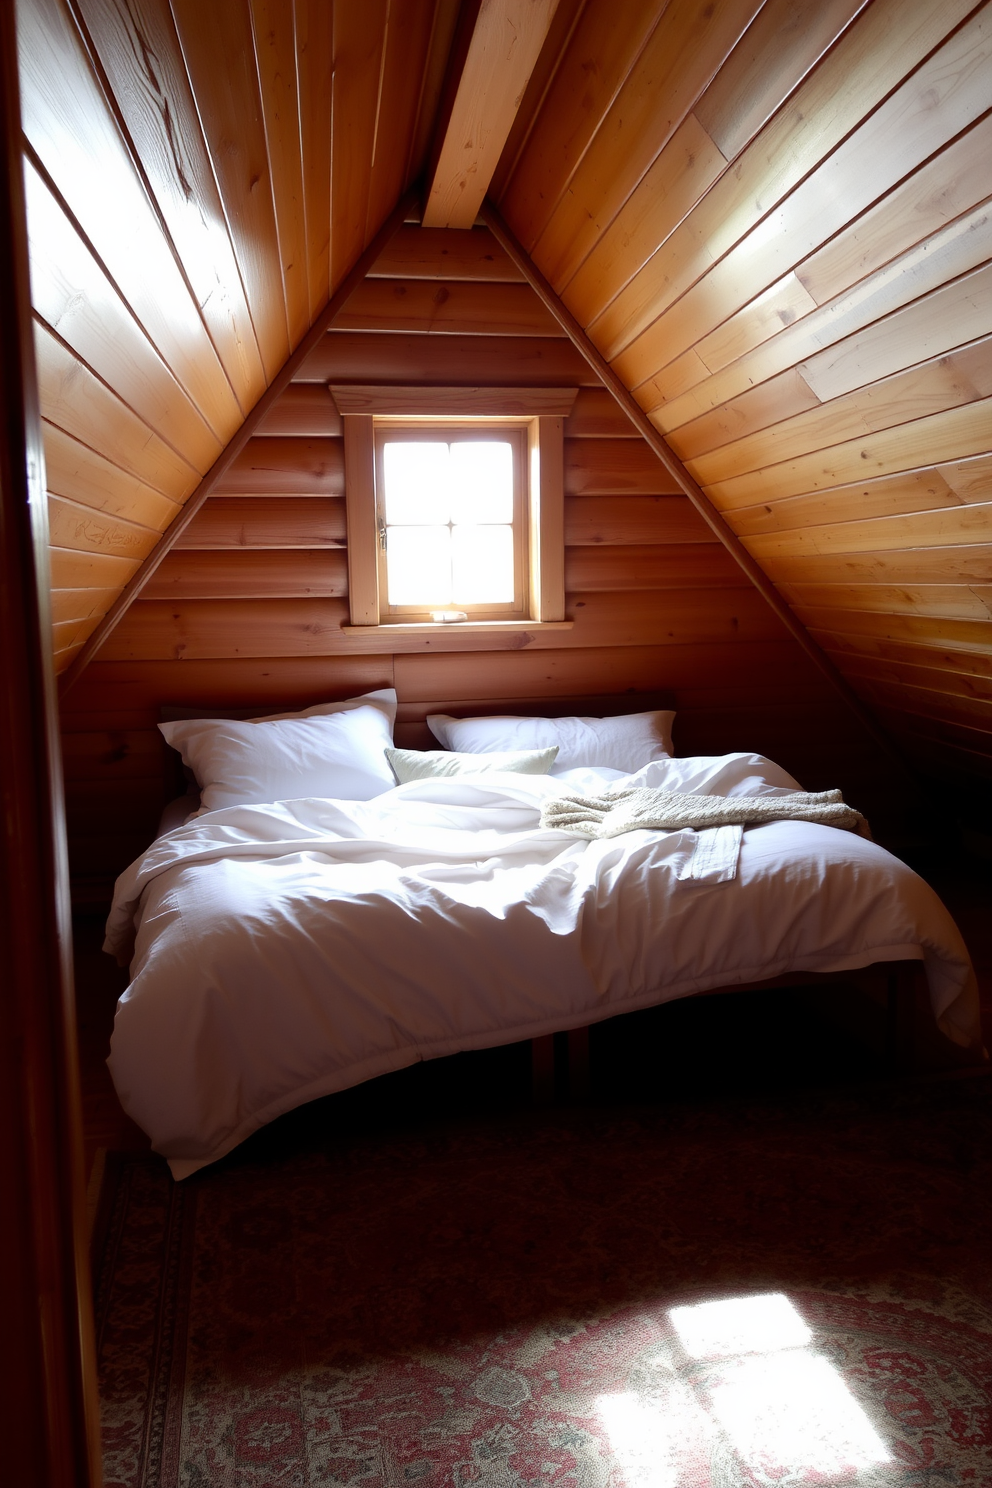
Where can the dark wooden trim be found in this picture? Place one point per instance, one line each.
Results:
(49, 1424)
(714, 519)
(225, 459)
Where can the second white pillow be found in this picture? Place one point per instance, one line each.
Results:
(426, 764)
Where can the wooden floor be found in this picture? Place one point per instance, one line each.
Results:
(965, 887)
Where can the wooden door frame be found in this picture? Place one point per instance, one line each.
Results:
(48, 1409)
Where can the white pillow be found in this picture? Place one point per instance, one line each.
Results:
(428, 764)
(241, 762)
(383, 698)
(625, 743)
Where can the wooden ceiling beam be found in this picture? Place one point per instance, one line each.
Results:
(226, 458)
(503, 49)
(714, 519)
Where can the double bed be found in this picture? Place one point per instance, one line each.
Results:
(284, 949)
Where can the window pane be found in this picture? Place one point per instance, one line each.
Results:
(482, 565)
(416, 480)
(482, 481)
(418, 564)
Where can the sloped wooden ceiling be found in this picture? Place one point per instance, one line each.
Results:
(200, 177)
(772, 220)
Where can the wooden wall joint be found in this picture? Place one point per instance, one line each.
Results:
(714, 519)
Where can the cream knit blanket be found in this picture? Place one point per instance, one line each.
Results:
(620, 811)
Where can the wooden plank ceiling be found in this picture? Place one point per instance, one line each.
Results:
(772, 219)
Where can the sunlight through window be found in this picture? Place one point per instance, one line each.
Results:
(448, 510)
(756, 1384)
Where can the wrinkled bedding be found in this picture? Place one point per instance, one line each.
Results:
(281, 952)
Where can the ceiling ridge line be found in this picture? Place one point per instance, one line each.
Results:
(714, 518)
(355, 276)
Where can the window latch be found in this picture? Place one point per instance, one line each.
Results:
(382, 534)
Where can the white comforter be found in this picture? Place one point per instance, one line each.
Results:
(282, 952)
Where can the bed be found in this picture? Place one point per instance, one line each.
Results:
(283, 949)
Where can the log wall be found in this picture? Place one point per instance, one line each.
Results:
(248, 607)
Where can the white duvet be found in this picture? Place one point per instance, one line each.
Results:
(284, 951)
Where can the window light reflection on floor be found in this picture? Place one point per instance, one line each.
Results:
(784, 1408)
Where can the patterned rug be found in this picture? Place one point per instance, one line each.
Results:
(762, 1294)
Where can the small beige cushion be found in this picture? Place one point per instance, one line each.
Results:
(426, 764)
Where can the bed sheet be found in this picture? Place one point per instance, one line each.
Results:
(282, 952)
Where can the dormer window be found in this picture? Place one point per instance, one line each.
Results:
(455, 501)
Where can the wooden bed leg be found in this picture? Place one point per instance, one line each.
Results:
(578, 1064)
(542, 1065)
(900, 1015)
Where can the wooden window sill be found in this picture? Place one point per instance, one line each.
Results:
(432, 627)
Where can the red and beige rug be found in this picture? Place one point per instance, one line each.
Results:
(767, 1295)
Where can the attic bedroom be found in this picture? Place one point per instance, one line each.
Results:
(479, 475)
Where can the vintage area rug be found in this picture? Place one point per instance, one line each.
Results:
(788, 1291)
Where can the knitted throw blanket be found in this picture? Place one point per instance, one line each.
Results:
(620, 811)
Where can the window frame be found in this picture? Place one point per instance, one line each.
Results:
(448, 429)
(540, 411)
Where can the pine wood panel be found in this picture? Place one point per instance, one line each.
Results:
(779, 305)
(69, 125)
(452, 308)
(297, 466)
(627, 520)
(953, 183)
(72, 569)
(963, 565)
(963, 664)
(551, 673)
(359, 40)
(250, 575)
(783, 42)
(679, 59)
(305, 410)
(266, 522)
(870, 59)
(955, 434)
(771, 402)
(232, 682)
(433, 253)
(932, 679)
(957, 601)
(314, 73)
(72, 526)
(963, 245)
(220, 57)
(946, 527)
(408, 44)
(964, 376)
(663, 566)
(892, 495)
(689, 163)
(75, 471)
(156, 629)
(80, 604)
(598, 58)
(497, 361)
(948, 317)
(963, 635)
(624, 466)
(972, 712)
(74, 400)
(273, 34)
(928, 566)
(139, 52)
(72, 294)
(971, 480)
